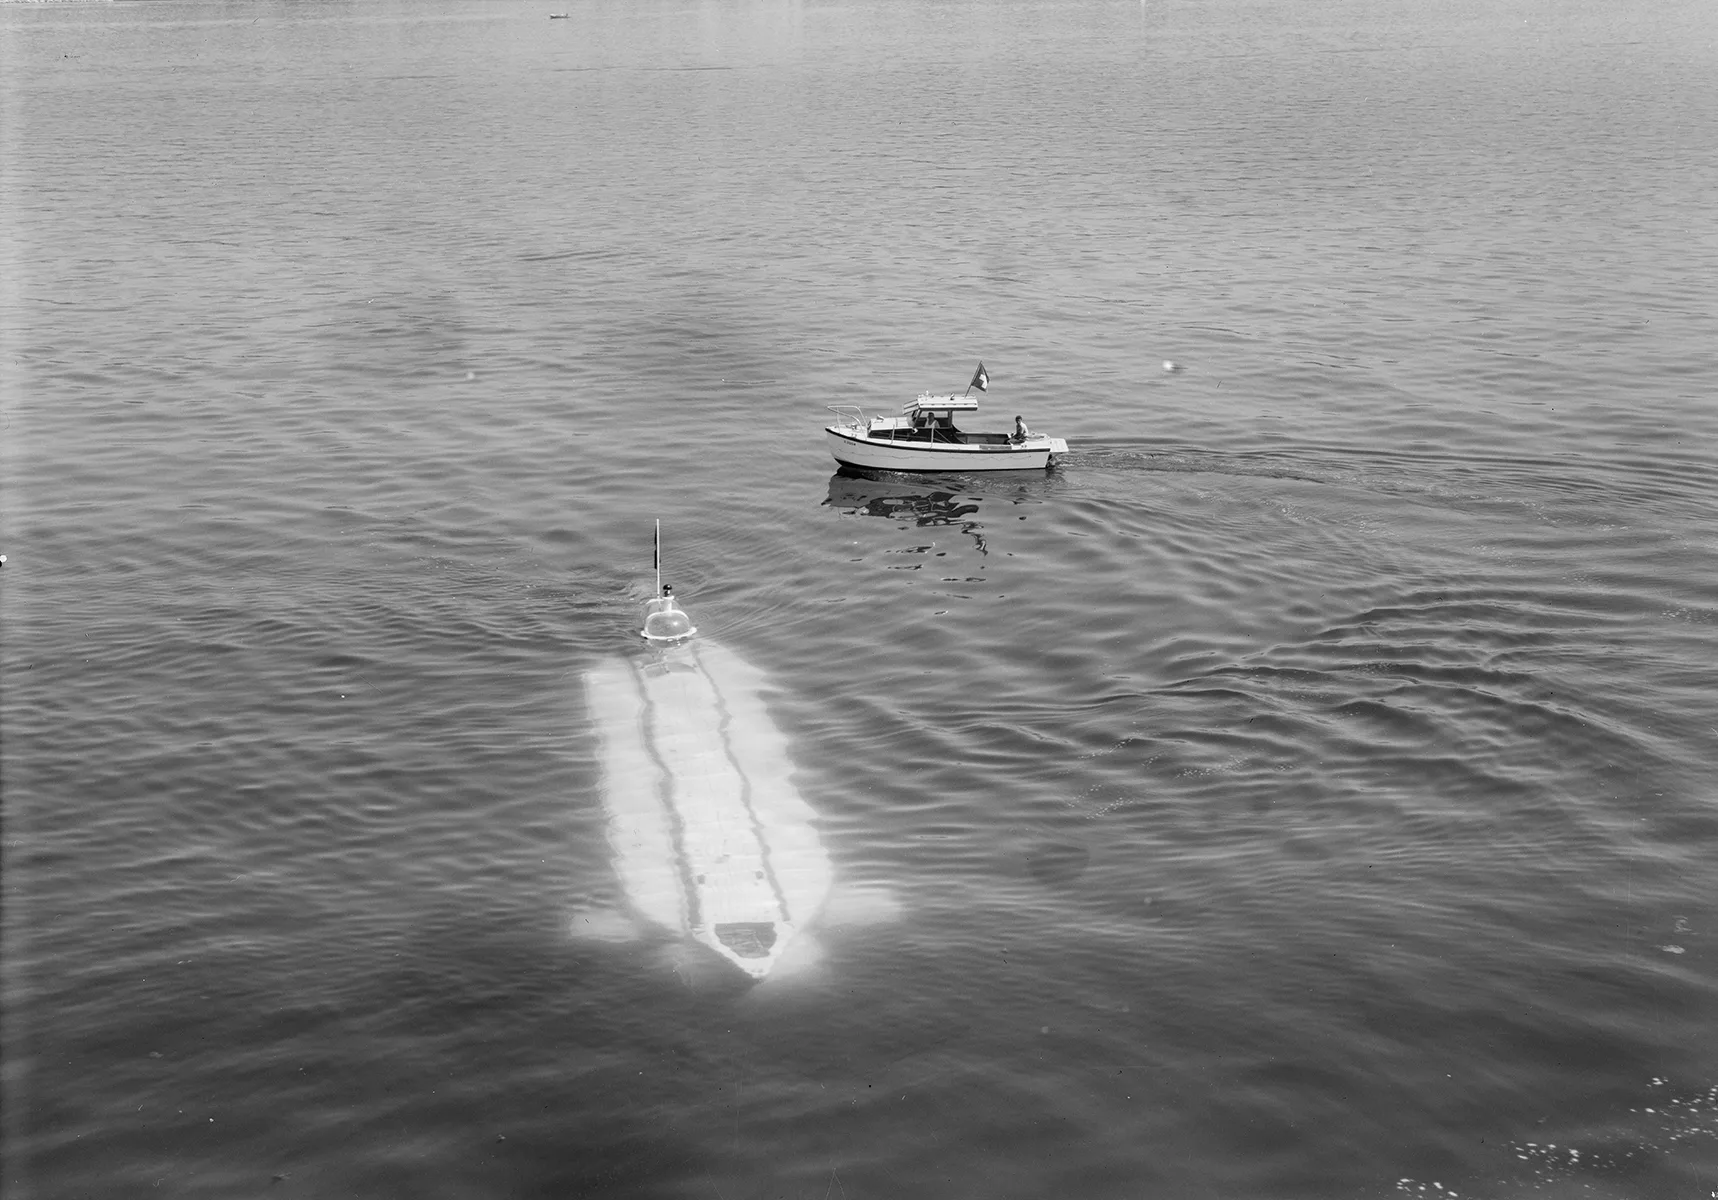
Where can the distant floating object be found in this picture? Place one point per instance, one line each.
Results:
(1170, 367)
(557, 16)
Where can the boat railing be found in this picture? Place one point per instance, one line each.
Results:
(852, 416)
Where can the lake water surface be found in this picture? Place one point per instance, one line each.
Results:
(1306, 789)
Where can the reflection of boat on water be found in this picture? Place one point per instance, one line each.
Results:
(924, 437)
(898, 500)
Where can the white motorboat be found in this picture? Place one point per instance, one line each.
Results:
(924, 438)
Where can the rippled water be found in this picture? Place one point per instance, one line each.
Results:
(1306, 789)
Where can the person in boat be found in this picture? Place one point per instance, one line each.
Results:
(1021, 433)
(663, 603)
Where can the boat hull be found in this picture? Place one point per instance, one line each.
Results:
(854, 449)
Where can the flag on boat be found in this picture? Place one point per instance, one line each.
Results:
(980, 380)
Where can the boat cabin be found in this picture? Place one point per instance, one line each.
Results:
(931, 419)
(945, 407)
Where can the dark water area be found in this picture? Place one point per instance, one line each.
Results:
(1305, 789)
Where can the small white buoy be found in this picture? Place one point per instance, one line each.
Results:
(1168, 366)
(470, 375)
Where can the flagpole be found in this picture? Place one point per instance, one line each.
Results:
(658, 556)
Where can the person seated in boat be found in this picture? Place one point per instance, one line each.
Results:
(664, 603)
(1021, 433)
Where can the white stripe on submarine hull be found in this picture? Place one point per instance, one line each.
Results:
(711, 839)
